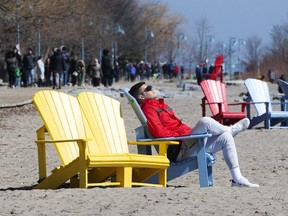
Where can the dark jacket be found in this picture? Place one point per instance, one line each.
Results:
(106, 66)
(29, 61)
(11, 63)
(57, 63)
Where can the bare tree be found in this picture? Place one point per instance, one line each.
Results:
(253, 53)
(90, 26)
(202, 29)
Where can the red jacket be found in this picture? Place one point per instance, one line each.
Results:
(162, 121)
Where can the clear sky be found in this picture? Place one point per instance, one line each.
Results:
(233, 18)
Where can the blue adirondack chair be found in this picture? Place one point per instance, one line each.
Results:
(203, 162)
(284, 86)
(259, 96)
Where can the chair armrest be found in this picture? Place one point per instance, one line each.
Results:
(194, 136)
(239, 103)
(204, 108)
(276, 103)
(163, 145)
(42, 152)
(164, 142)
(61, 141)
(153, 142)
(243, 105)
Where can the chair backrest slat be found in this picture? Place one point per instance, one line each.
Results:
(63, 120)
(217, 70)
(105, 120)
(215, 92)
(259, 92)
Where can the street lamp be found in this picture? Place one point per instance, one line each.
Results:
(82, 50)
(180, 37)
(239, 42)
(17, 24)
(209, 39)
(39, 43)
(151, 34)
(232, 42)
(82, 43)
(118, 29)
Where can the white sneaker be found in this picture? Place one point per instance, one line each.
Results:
(240, 126)
(244, 183)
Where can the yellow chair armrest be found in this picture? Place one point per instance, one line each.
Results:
(153, 142)
(163, 145)
(61, 141)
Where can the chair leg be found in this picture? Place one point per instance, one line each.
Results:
(162, 178)
(124, 176)
(83, 175)
(205, 171)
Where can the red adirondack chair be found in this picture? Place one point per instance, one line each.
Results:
(215, 96)
(217, 69)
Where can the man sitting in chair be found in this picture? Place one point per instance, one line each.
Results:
(162, 122)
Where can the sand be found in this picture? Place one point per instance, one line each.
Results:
(263, 156)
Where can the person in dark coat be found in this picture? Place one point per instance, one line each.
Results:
(11, 64)
(107, 69)
(57, 67)
(29, 62)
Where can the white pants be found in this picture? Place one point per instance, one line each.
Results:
(221, 139)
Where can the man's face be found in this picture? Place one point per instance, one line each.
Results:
(147, 92)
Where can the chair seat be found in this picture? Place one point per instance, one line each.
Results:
(138, 160)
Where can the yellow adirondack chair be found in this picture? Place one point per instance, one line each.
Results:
(105, 120)
(84, 162)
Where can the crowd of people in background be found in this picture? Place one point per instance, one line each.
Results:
(64, 68)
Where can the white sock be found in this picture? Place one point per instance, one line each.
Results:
(236, 174)
(238, 178)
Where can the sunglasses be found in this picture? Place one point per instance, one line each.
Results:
(147, 89)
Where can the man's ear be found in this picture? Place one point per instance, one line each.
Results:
(141, 97)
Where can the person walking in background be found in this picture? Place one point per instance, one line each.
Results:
(182, 70)
(95, 73)
(57, 67)
(116, 71)
(107, 70)
(271, 76)
(73, 69)
(28, 68)
(165, 70)
(47, 73)
(40, 71)
(16, 53)
(66, 55)
(81, 70)
(282, 77)
(11, 64)
(132, 72)
(176, 70)
(127, 71)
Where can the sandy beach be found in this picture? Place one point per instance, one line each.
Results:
(263, 156)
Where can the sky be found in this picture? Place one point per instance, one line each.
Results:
(233, 18)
